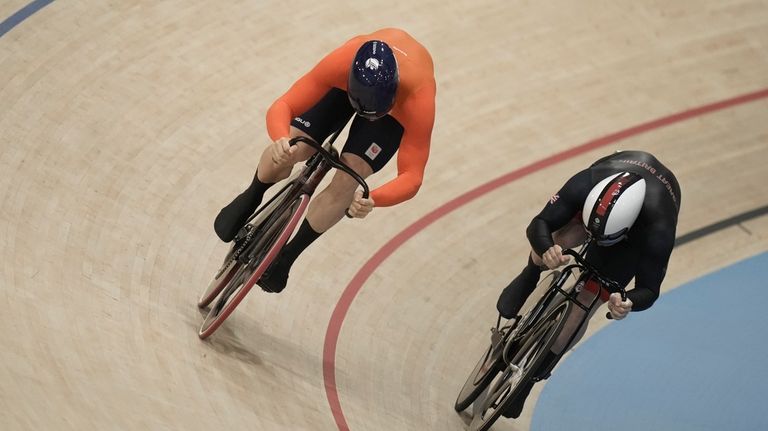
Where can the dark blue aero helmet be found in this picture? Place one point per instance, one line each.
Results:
(373, 80)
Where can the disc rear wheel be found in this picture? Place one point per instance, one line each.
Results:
(486, 368)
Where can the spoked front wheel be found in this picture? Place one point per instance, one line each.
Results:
(270, 240)
(525, 362)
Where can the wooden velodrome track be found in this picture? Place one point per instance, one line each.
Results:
(127, 125)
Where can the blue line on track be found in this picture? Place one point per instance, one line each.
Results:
(21, 15)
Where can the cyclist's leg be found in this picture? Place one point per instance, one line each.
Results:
(319, 122)
(516, 406)
(514, 295)
(616, 263)
(514, 409)
(517, 292)
(328, 207)
(232, 217)
(574, 322)
(370, 145)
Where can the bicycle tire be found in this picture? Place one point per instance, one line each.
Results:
(478, 379)
(269, 244)
(527, 358)
(223, 277)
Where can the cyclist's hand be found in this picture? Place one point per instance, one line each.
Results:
(281, 151)
(618, 308)
(554, 258)
(360, 207)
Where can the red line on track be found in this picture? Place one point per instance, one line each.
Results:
(356, 284)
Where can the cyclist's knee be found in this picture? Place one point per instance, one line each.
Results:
(303, 151)
(343, 185)
(571, 235)
(357, 164)
(341, 188)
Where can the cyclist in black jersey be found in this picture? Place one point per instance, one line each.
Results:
(629, 203)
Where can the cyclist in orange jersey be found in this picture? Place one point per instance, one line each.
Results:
(386, 81)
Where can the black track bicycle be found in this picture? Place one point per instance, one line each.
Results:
(266, 232)
(519, 347)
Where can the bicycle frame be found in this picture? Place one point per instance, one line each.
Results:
(266, 231)
(557, 294)
(304, 182)
(519, 354)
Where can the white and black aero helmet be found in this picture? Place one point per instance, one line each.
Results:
(612, 206)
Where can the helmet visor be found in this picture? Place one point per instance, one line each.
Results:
(372, 116)
(608, 240)
(369, 114)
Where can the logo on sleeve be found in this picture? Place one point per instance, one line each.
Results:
(373, 151)
(554, 199)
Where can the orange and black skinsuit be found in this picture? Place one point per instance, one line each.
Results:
(317, 104)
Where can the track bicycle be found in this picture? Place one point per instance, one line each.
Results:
(266, 232)
(519, 347)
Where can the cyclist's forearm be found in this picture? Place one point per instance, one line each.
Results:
(539, 235)
(558, 212)
(651, 269)
(402, 188)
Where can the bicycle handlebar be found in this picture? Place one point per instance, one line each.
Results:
(333, 161)
(610, 285)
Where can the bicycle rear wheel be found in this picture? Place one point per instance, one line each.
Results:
(490, 364)
(273, 235)
(506, 385)
(486, 368)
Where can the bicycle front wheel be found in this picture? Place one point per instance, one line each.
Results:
(274, 233)
(525, 362)
(229, 266)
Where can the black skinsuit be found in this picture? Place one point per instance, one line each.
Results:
(645, 253)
